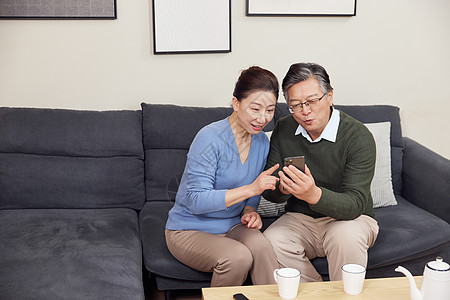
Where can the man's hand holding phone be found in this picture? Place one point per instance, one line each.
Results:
(300, 184)
(297, 161)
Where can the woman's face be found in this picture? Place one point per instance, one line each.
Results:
(255, 111)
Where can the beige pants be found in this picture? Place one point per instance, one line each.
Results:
(298, 238)
(229, 256)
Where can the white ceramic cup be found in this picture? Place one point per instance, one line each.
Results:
(288, 280)
(353, 276)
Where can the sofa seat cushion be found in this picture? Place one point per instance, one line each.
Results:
(157, 257)
(400, 233)
(70, 254)
(406, 232)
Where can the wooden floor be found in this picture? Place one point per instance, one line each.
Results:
(152, 293)
(179, 295)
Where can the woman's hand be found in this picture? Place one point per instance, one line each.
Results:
(251, 218)
(265, 181)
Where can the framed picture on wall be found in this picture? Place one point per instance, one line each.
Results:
(191, 26)
(301, 7)
(58, 9)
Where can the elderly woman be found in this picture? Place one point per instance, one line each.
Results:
(214, 226)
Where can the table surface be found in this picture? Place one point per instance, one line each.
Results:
(381, 288)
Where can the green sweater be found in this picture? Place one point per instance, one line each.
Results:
(343, 170)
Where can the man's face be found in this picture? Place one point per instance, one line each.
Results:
(314, 117)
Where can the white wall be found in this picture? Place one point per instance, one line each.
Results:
(391, 52)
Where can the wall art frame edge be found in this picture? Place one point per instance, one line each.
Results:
(162, 52)
(112, 17)
(249, 14)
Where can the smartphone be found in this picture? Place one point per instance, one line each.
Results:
(239, 296)
(297, 161)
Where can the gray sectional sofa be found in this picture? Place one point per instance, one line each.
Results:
(71, 186)
(84, 197)
(413, 232)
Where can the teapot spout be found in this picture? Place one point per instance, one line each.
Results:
(413, 290)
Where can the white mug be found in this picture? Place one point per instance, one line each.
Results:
(288, 280)
(353, 276)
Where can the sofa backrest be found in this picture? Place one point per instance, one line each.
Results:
(54, 158)
(168, 133)
(373, 114)
(169, 130)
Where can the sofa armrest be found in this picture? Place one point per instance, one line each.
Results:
(426, 179)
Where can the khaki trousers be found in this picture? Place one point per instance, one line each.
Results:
(298, 238)
(229, 256)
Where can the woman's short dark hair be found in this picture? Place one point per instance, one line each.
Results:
(303, 71)
(255, 79)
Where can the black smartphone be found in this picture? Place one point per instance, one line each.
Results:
(297, 161)
(239, 296)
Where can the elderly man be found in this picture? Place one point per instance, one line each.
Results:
(329, 206)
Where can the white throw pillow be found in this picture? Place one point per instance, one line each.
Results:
(270, 209)
(381, 188)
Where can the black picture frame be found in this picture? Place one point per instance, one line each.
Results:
(58, 10)
(316, 8)
(191, 27)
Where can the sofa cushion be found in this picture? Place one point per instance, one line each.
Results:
(157, 257)
(174, 127)
(406, 228)
(163, 173)
(383, 113)
(168, 126)
(70, 254)
(54, 158)
(267, 208)
(270, 209)
(399, 234)
(168, 132)
(381, 186)
(420, 236)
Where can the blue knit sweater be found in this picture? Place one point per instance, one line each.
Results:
(213, 166)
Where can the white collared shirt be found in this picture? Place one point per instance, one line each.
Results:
(329, 132)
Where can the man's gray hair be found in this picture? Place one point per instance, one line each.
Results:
(303, 71)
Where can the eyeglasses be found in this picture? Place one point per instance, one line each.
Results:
(310, 103)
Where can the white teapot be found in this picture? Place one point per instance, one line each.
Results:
(435, 283)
